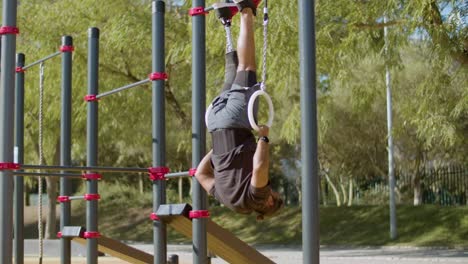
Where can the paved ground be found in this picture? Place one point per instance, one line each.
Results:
(282, 255)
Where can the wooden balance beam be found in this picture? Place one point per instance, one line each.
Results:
(220, 241)
(119, 250)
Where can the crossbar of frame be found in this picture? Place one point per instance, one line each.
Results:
(82, 168)
(53, 55)
(123, 88)
(180, 174)
(219, 5)
(68, 175)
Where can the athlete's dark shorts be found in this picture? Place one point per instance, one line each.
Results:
(230, 107)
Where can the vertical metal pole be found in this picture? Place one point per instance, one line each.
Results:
(391, 171)
(198, 131)
(19, 158)
(92, 142)
(65, 147)
(7, 111)
(310, 178)
(159, 128)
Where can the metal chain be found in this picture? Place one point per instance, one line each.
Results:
(265, 46)
(41, 160)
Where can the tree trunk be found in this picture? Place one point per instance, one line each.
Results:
(343, 189)
(299, 189)
(140, 183)
(52, 188)
(417, 190)
(51, 224)
(350, 192)
(335, 190)
(322, 191)
(27, 194)
(180, 190)
(417, 195)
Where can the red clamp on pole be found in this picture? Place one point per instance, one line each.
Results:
(67, 48)
(20, 69)
(199, 214)
(63, 199)
(155, 76)
(158, 173)
(92, 197)
(91, 234)
(91, 98)
(91, 176)
(196, 11)
(59, 234)
(154, 217)
(9, 166)
(8, 30)
(192, 172)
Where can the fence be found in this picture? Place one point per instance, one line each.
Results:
(443, 186)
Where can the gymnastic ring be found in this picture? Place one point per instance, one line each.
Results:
(251, 105)
(207, 114)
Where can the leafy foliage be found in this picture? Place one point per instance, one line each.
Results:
(427, 57)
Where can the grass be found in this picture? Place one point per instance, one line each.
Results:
(126, 217)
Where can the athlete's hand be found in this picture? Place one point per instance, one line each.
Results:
(263, 131)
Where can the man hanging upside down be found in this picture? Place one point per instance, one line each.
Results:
(235, 171)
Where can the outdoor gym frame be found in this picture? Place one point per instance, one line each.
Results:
(9, 166)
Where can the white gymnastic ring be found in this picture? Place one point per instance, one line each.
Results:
(251, 106)
(207, 114)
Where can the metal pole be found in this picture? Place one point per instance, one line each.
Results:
(92, 143)
(7, 99)
(85, 168)
(391, 172)
(53, 55)
(159, 128)
(19, 158)
(65, 147)
(181, 174)
(123, 88)
(67, 175)
(310, 179)
(198, 131)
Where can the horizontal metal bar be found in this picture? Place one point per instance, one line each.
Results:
(73, 168)
(122, 88)
(76, 198)
(42, 60)
(219, 5)
(178, 174)
(70, 175)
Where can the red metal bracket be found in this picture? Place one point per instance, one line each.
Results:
(91, 176)
(8, 30)
(155, 76)
(20, 69)
(158, 173)
(91, 234)
(91, 98)
(67, 48)
(63, 199)
(199, 214)
(92, 196)
(196, 11)
(9, 166)
(154, 217)
(192, 172)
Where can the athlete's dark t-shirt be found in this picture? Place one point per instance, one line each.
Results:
(233, 174)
